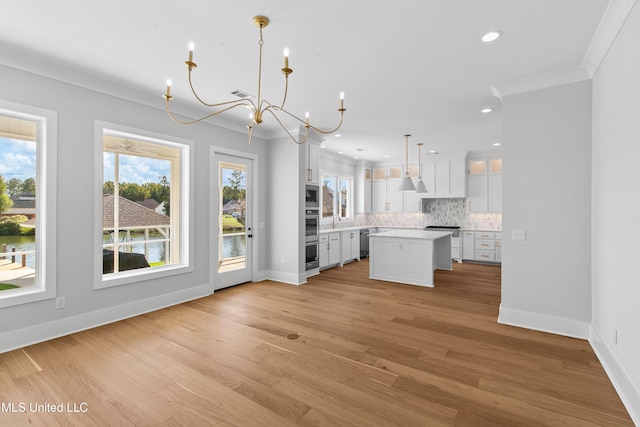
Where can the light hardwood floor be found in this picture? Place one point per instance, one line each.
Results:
(341, 350)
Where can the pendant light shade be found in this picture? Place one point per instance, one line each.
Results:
(420, 187)
(407, 183)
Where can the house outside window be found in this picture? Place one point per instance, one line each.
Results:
(336, 196)
(143, 206)
(28, 149)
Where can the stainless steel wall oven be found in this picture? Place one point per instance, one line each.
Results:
(311, 238)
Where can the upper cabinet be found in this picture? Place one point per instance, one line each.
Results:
(444, 176)
(385, 196)
(312, 163)
(484, 185)
(362, 184)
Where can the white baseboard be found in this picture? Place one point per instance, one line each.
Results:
(626, 390)
(289, 278)
(38, 333)
(544, 322)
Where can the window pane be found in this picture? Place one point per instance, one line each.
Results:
(345, 189)
(233, 180)
(140, 172)
(18, 190)
(328, 196)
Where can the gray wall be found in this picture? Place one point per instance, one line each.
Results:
(285, 219)
(615, 207)
(78, 108)
(546, 191)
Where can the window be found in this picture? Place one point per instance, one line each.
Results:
(143, 205)
(27, 204)
(335, 198)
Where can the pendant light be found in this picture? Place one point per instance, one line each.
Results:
(420, 187)
(407, 183)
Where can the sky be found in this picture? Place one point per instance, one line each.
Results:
(136, 169)
(17, 159)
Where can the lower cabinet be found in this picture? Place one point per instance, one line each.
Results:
(482, 246)
(329, 249)
(350, 245)
(468, 244)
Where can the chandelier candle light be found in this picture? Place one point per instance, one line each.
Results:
(261, 106)
(407, 183)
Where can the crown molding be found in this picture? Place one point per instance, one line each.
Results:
(52, 68)
(540, 81)
(610, 25)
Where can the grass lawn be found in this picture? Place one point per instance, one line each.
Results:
(231, 223)
(5, 286)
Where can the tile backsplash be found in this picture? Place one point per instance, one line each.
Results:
(440, 212)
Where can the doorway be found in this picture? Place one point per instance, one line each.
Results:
(232, 246)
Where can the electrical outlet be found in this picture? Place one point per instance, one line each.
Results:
(518, 235)
(60, 302)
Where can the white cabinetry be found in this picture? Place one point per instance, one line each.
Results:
(350, 245)
(444, 176)
(312, 163)
(367, 190)
(412, 201)
(384, 189)
(484, 185)
(485, 246)
(329, 249)
(468, 244)
(482, 246)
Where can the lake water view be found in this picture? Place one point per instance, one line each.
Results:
(232, 246)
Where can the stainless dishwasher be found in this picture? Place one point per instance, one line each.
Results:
(364, 242)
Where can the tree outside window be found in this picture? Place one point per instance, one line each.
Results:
(335, 197)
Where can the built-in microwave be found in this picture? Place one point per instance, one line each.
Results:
(312, 196)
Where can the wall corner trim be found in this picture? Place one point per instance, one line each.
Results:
(621, 382)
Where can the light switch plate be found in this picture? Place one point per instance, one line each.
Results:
(518, 235)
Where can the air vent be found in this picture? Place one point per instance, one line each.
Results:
(241, 94)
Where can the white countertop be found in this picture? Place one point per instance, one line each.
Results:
(359, 227)
(412, 234)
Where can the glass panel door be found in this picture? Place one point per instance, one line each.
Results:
(234, 229)
(233, 217)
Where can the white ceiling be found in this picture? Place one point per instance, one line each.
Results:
(407, 66)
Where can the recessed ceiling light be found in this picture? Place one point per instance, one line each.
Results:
(323, 146)
(487, 110)
(337, 135)
(355, 157)
(340, 152)
(491, 36)
(386, 155)
(496, 144)
(433, 152)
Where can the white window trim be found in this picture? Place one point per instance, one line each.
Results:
(351, 199)
(46, 197)
(186, 207)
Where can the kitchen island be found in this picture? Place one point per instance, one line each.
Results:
(409, 256)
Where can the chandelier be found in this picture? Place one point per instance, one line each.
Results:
(261, 106)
